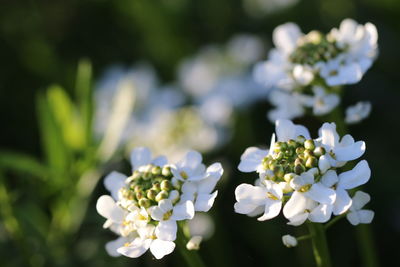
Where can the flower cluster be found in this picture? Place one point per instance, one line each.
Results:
(309, 68)
(306, 176)
(144, 208)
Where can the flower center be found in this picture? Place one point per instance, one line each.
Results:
(291, 157)
(149, 185)
(315, 47)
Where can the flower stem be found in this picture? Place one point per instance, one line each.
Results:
(192, 258)
(320, 245)
(333, 221)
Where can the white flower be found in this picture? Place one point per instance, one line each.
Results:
(151, 237)
(289, 241)
(200, 192)
(287, 105)
(115, 215)
(358, 215)
(339, 152)
(190, 168)
(321, 102)
(358, 112)
(251, 198)
(300, 209)
(251, 160)
(194, 243)
(166, 211)
(359, 175)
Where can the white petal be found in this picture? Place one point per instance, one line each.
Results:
(215, 170)
(251, 159)
(184, 211)
(296, 205)
(298, 219)
(272, 209)
(189, 188)
(321, 194)
(114, 182)
(135, 249)
(351, 152)
(204, 202)
(330, 178)
(359, 175)
(112, 246)
(140, 156)
(285, 37)
(165, 205)
(157, 214)
(107, 208)
(342, 203)
(329, 136)
(250, 194)
(191, 160)
(323, 163)
(160, 248)
(322, 213)
(246, 208)
(285, 130)
(361, 216)
(160, 161)
(207, 185)
(360, 199)
(166, 230)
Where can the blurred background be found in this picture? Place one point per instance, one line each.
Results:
(56, 58)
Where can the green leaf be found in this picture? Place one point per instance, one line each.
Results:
(22, 163)
(67, 117)
(84, 94)
(57, 154)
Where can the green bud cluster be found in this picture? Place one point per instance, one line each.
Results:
(146, 188)
(291, 158)
(315, 47)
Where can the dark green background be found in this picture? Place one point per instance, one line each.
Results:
(41, 43)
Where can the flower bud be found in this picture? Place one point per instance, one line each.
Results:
(144, 202)
(300, 150)
(194, 243)
(166, 171)
(162, 195)
(139, 195)
(156, 170)
(166, 185)
(300, 139)
(298, 161)
(156, 186)
(288, 177)
(289, 241)
(151, 194)
(279, 156)
(309, 144)
(299, 169)
(308, 153)
(319, 151)
(292, 144)
(278, 171)
(136, 175)
(311, 162)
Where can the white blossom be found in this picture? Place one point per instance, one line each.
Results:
(289, 241)
(194, 243)
(357, 214)
(358, 112)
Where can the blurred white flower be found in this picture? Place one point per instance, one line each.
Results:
(147, 205)
(202, 225)
(289, 241)
(358, 215)
(286, 105)
(358, 112)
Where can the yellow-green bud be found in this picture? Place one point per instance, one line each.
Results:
(162, 195)
(300, 150)
(309, 144)
(166, 185)
(278, 171)
(137, 188)
(156, 170)
(166, 171)
(156, 186)
(319, 151)
(139, 195)
(291, 143)
(300, 139)
(279, 156)
(144, 202)
(136, 175)
(311, 162)
(288, 177)
(298, 161)
(299, 169)
(151, 194)
(308, 153)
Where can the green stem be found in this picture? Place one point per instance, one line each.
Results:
(320, 245)
(333, 221)
(191, 257)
